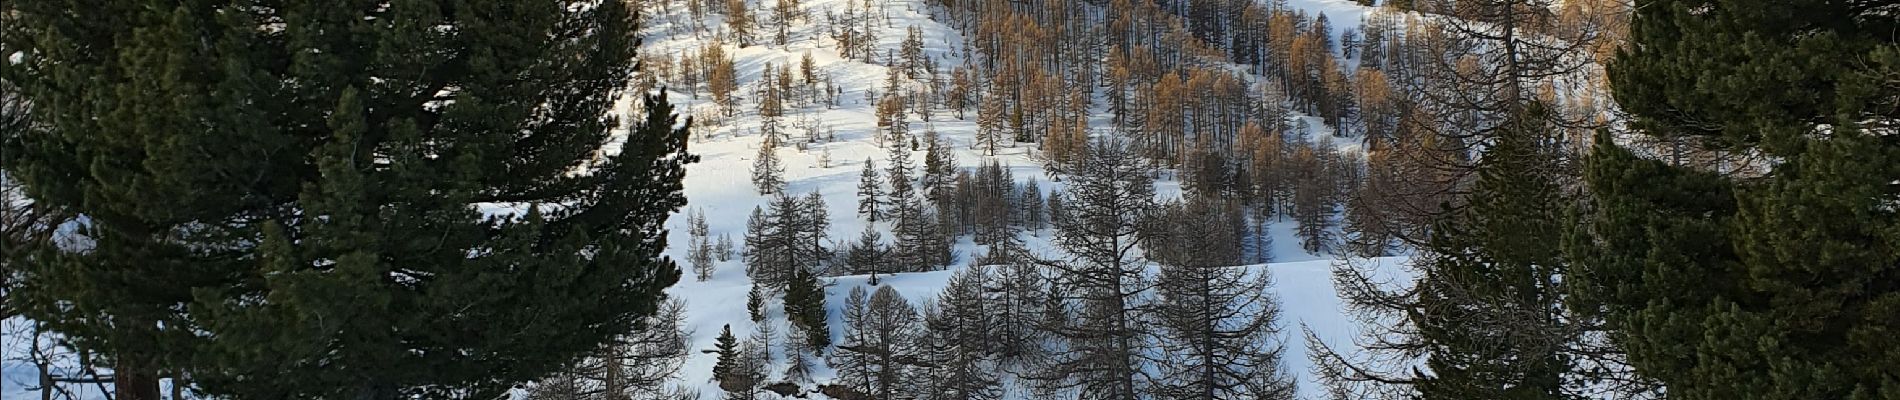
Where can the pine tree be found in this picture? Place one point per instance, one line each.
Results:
(805, 307)
(913, 53)
(1738, 281)
(768, 176)
(1487, 308)
(765, 249)
(755, 303)
(250, 175)
(731, 369)
(1030, 207)
(939, 166)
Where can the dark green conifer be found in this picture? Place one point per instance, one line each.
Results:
(286, 199)
(1727, 280)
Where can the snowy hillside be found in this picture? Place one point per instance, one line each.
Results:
(720, 185)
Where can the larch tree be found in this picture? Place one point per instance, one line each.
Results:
(699, 247)
(1218, 325)
(1102, 282)
(870, 193)
(768, 175)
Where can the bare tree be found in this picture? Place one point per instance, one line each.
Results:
(1103, 288)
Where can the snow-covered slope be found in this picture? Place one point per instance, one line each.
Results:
(720, 185)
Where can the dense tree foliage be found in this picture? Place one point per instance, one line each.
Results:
(285, 200)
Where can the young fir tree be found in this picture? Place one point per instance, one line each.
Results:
(1732, 281)
(726, 350)
(249, 174)
(805, 308)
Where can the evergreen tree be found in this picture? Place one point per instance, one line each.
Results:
(1736, 281)
(805, 308)
(913, 53)
(940, 165)
(1488, 306)
(249, 174)
(1030, 207)
(755, 303)
(731, 368)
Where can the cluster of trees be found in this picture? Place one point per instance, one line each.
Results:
(1719, 245)
(1090, 324)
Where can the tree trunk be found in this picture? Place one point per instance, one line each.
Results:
(134, 382)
